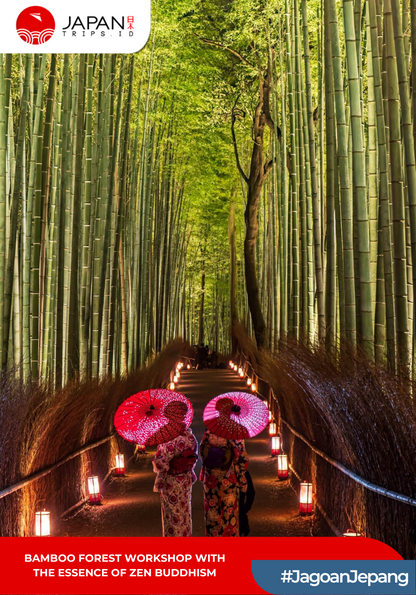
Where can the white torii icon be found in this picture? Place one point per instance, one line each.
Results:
(36, 15)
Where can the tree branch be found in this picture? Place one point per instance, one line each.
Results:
(268, 166)
(267, 91)
(224, 47)
(240, 169)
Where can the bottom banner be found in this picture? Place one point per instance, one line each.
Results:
(156, 565)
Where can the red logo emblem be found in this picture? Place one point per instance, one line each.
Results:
(35, 25)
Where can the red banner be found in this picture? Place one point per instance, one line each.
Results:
(156, 565)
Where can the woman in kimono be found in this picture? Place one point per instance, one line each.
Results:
(173, 464)
(223, 475)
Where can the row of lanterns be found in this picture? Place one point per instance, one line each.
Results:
(43, 517)
(240, 371)
(177, 375)
(306, 488)
(305, 493)
(277, 449)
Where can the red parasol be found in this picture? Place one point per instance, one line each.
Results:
(153, 416)
(236, 415)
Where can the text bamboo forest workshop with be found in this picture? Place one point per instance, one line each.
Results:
(120, 558)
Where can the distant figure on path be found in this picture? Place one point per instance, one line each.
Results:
(224, 463)
(246, 502)
(214, 359)
(201, 361)
(174, 464)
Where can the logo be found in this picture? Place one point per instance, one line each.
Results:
(35, 25)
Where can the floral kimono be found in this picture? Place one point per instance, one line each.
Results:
(175, 488)
(222, 487)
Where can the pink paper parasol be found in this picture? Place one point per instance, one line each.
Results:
(153, 416)
(236, 415)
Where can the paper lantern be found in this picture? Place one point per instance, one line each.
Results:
(172, 386)
(249, 381)
(235, 367)
(270, 416)
(351, 533)
(241, 373)
(231, 364)
(188, 367)
(43, 523)
(175, 379)
(141, 448)
(94, 490)
(253, 387)
(305, 498)
(272, 428)
(282, 467)
(120, 469)
(275, 445)
(178, 374)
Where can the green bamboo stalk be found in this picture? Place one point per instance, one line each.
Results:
(398, 203)
(366, 338)
(316, 207)
(346, 207)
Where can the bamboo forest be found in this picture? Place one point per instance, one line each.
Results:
(246, 181)
(280, 134)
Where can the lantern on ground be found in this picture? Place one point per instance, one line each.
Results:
(171, 386)
(241, 373)
(305, 498)
(235, 367)
(253, 387)
(141, 448)
(270, 416)
(188, 367)
(175, 379)
(272, 428)
(120, 469)
(275, 445)
(178, 374)
(351, 533)
(231, 364)
(42, 523)
(94, 490)
(282, 467)
(249, 381)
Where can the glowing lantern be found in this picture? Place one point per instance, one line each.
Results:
(188, 367)
(231, 364)
(178, 374)
(241, 373)
(275, 445)
(120, 469)
(282, 467)
(94, 490)
(305, 498)
(235, 367)
(141, 448)
(175, 379)
(249, 381)
(172, 386)
(272, 428)
(270, 416)
(351, 533)
(253, 387)
(43, 523)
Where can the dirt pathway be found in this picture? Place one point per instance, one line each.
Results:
(131, 508)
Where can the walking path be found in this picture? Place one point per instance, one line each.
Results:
(131, 508)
